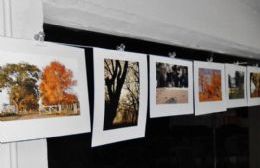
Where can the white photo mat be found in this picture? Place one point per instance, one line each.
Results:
(170, 109)
(99, 135)
(208, 107)
(230, 69)
(16, 51)
(252, 101)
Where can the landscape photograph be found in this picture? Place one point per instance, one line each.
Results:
(32, 89)
(122, 90)
(254, 85)
(171, 84)
(209, 85)
(236, 83)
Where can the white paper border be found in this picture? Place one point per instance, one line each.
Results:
(47, 127)
(163, 110)
(252, 101)
(214, 106)
(99, 135)
(232, 103)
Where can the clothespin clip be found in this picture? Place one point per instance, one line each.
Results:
(210, 59)
(120, 47)
(172, 54)
(39, 36)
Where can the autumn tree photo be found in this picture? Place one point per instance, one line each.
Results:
(56, 85)
(121, 93)
(209, 85)
(21, 82)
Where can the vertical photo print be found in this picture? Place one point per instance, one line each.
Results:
(44, 88)
(120, 105)
(209, 87)
(171, 87)
(253, 86)
(235, 86)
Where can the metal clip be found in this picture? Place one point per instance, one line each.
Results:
(120, 47)
(210, 59)
(39, 36)
(172, 54)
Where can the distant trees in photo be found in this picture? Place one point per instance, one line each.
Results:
(236, 85)
(121, 93)
(168, 75)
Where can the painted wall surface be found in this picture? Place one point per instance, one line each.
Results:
(224, 26)
(22, 19)
(1, 18)
(27, 18)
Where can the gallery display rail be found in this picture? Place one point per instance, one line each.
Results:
(44, 87)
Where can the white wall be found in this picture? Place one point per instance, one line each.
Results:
(1, 18)
(22, 19)
(224, 26)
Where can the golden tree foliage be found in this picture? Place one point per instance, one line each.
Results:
(210, 84)
(57, 80)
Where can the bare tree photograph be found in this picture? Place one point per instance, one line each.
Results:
(121, 93)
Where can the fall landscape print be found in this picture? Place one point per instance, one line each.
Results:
(31, 89)
(122, 89)
(209, 85)
(254, 85)
(171, 84)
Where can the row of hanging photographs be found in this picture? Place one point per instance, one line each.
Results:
(44, 91)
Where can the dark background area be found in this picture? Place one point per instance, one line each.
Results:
(217, 140)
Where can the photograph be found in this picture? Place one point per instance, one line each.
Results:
(236, 83)
(172, 83)
(121, 93)
(120, 96)
(171, 86)
(31, 91)
(254, 84)
(209, 85)
(43, 90)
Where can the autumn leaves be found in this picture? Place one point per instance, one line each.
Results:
(210, 85)
(28, 87)
(55, 84)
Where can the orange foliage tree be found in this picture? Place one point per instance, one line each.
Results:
(56, 82)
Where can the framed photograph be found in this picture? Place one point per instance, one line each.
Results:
(209, 87)
(253, 86)
(171, 87)
(43, 90)
(120, 105)
(235, 86)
